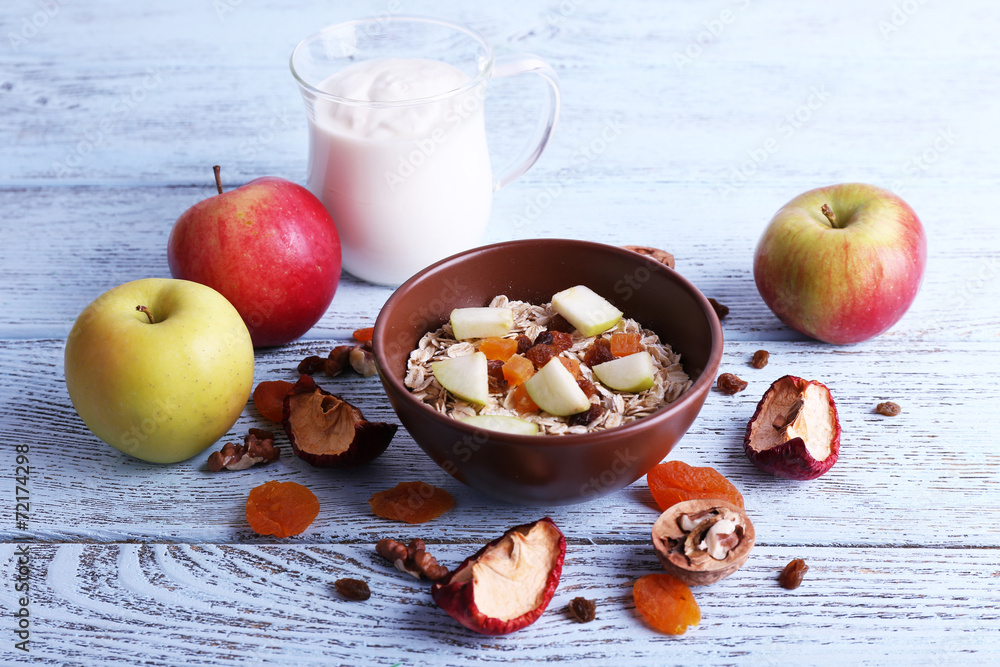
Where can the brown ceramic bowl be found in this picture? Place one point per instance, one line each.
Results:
(561, 469)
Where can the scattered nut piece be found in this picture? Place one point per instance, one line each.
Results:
(353, 589)
(702, 541)
(791, 576)
(720, 310)
(729, 384)
(258, 447)
(653, 253)
(363, 360)
(337, 360)
(760, 359)
(311, 365)
(582, 610)
(888, 408)
(412, 559)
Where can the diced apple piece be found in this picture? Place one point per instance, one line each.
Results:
(469, 323)
(503, 424)
(467, 377)
(586, 310)
(633, 373)
(554, 389)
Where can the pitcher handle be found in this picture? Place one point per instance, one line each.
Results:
(529, 64)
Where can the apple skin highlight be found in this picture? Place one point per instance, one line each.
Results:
(842, 282)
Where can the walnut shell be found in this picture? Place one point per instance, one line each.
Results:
(683, 552)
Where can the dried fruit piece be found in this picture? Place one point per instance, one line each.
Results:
(500, 349)
(729, 384)
(588, 387)
(794, 433)
(353, 589)
(328, 432)
(508, 583)
(666, 603)
(412, 559)
(364, 335)
(497, 383)
(661, 256)
(281, 509)
(541, 354)
(703, 541)
(521, 402)
(720, 310)
(587, 416)
(559, 323)
(572, 365)
(517, 370)
(258, 447)
(624, 344)
(523, 343)
(269, 399)
(888, 408)
(412, 502)
(791, 576)
(557, 339)
(599, 352)
(672, 482)
(760, 359)
(582, 609)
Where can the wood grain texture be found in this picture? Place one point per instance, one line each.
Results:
(685, 126)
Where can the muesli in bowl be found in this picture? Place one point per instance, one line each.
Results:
(573, 365)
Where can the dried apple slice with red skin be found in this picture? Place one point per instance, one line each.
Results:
(328, 432)
(507, 584)
(795, 431)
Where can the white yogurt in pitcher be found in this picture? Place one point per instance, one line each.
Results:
(407, 181)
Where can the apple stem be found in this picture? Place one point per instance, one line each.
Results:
(218, 177)
(143, 309)
(827, 211)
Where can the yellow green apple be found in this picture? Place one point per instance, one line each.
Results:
(159, 368)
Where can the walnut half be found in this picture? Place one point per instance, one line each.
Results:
(703, 541)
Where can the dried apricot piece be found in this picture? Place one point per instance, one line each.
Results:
(572, 365)
(521, 401)
(269, 399)
(412, 502)
(517, 370)
(281, 509)
(666, 603)
(500, 349)
(673, 482)
(624, 344)
(364, 335)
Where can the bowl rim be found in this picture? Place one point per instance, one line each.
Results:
(702, 384)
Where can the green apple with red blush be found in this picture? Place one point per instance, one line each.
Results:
(842, 263)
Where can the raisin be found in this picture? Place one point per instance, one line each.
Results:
(560, 323)
(281, 509)
(791, 576)
(412, 502)
(673, 482)
(888, 408)
(582, 609)
(666, 603)
(729, 384)
(353, 589)
(311, 365)
(523, 343)
(544, 338)
(587, 416)
(720, 310)
(497, 382)
(589, 388)
(760, 359)
(557, 339)
(598, 352)
(269, 399)
(540, 354)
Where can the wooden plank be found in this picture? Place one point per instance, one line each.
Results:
(50, 270)
(216, 604)
(917, 479)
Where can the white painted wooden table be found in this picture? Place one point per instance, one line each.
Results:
(685, 126)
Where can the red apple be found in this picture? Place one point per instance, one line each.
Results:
(841, 263)
(270, 247)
